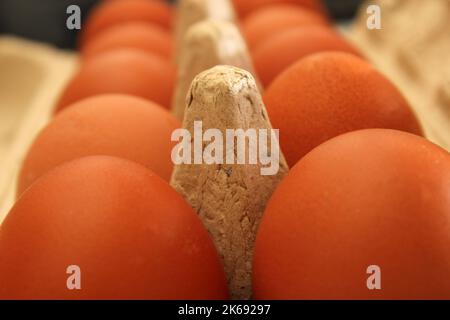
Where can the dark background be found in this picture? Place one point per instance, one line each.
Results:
(45, 20)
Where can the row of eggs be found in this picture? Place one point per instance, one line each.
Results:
(364, 187)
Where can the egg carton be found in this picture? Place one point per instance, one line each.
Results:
(31, 79)
(33, 75)
(413, 56)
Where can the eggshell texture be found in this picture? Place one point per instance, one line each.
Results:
(143, 36)
(262, 24)
(330, 93)
(244, 7)
(112, 13)
(130, 233)
(371, 197)
(279, 52)
(126, 71)
(114, 125)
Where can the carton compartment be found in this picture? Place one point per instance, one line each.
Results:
(32, 76)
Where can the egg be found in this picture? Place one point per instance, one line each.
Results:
(365, 215)
(245, 7)
(138, 35)
(330, 93)
(262, 24)
(115, 125)
(112, 13)
(126, 71)
(277, 53)
(107, 228)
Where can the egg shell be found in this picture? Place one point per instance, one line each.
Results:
(126, 71)
(129, 232)
(374, 197)
(245, 7)
(331, 93)
(264, 23)
(277, 53)
(112, 13)
(138, 35)
(115, 125)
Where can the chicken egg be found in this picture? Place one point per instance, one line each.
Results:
(277, 53)
(245, 7)
(365, 215)
(106, 228)
(262, 24)
(114, 125)
(112, 13)
(330, 93)
(138, 35)
(126, 71)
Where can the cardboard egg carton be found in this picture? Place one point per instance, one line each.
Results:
(412, 49)
(32, 77)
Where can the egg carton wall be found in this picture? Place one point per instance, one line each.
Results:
(31, 79)
(413, 56)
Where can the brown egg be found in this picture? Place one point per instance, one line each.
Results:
(127, 71)
(260, 25)
(280, 51)
(119, 229)
(244, 7)
(137, 35)
(114, 12)
(115, 125)
(330, 93)
(365, 205)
